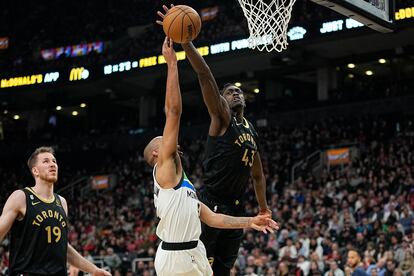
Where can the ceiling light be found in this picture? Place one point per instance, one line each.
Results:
(382, 60)
(75, 113)
(83, 105)
(351, 76)
(369, 73)
(5, 111)
(58, 107)
(351, 65)
(256, 90)
(16, 117)
(238, 84)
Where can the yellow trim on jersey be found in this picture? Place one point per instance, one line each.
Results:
(245, 123)
(45, 200)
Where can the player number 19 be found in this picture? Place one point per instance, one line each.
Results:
(248, 159)
(56, 233)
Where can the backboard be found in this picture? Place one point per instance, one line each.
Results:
(375, 14)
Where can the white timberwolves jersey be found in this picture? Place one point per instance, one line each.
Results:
(178, 210)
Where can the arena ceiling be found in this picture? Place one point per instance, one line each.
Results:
(300, 61)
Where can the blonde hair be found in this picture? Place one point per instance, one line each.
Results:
(33, 157)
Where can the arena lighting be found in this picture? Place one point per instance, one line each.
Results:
(83, 105)
(296, 33)
(369, 73)
(238, 84)
(79, 73)
(382, 60)
(16, 117)
(82, 49)
(29, 80)
(75, 113)
(404, 13)
(339, 25)
(58, 107)
(256, 90)
(351, 65)
(120, 67)
(220, 48)
(239, 44)
(51, 77)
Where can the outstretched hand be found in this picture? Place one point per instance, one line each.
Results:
(168, 51)
(264, 223)
(162, 15)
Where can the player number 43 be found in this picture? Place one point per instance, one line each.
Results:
(57, 234)
(248, 159)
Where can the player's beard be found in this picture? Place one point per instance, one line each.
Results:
(49, 177)
(237, 106)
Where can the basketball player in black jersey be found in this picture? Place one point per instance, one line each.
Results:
(37, 220)
(231, 158)
(175, 198)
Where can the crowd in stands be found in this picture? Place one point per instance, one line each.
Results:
(367, 205)
(128, 29)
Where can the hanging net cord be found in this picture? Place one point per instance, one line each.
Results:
(268, 23)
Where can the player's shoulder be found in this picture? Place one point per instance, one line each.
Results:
(64, 202)
(17, 198)
(62, 199)
(17, 195)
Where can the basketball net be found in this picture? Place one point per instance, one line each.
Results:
(268, 23)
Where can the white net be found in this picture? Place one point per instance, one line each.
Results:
(268, 23)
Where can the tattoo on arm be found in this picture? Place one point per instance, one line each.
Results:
(236, 222)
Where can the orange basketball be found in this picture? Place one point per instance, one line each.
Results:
(182, 24)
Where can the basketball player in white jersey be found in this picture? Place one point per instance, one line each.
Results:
(180, 251)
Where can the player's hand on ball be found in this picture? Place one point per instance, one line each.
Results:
(263, 223)
(101, 272)
(168, 51)
(162, 15)
(180, 23)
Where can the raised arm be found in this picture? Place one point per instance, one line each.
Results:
(173, 105)
(217, 106)
(259, 223)
(15, 205)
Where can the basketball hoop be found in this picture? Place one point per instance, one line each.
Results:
(268, 23)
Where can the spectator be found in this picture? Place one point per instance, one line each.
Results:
(354, 267)
(334, 270)
(112, 259)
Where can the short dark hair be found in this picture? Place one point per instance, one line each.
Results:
(33, 157)
(356, 250)
(225, 87)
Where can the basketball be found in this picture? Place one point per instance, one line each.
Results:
(182, 24)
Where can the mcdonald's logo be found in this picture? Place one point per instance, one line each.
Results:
(79, 73)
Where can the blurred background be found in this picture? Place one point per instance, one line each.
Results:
(334, 113)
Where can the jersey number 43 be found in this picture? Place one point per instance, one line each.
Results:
(248, 157)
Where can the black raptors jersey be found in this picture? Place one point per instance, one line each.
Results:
(39, 240)
(228, 161)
